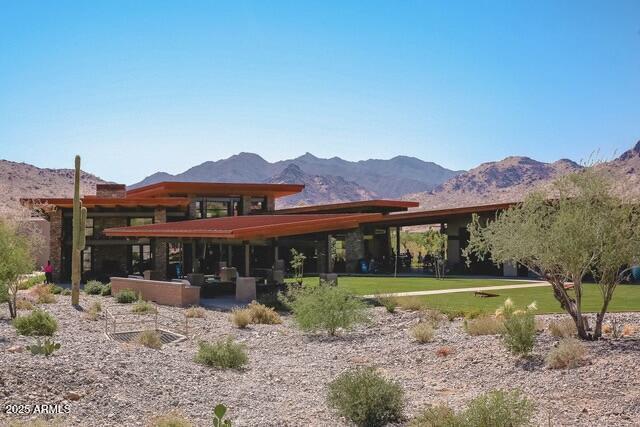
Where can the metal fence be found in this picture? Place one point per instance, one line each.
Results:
(117, 320)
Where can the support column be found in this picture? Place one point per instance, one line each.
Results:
(247, 260)
(195, 264)
(160, 247)
(271, 203)
(246, 205)
(329, 255)
(395, 272)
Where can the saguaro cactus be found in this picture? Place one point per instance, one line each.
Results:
(79, 240)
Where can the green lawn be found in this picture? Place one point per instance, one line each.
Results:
(380, 285)
(626, 298)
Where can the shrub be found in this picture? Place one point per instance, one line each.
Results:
(240, 317)
(36, 323)
(171, 420)
(195, 312)
(411, 303)
(126, 296)
(484, 325)
(569, 354)
(519, 333)
(42, 294)
(388, 302)
(436, 416)
(143, 307)
(24, 304)
(92, 313)
(493, 409)
(106, 290)
(66, 292)
(31, 281)
(563, 328)
(274, 300)
(628, 330)
(453, 314)
(433, 316)
(326, 308)
(222, 354)
(444, 351)
(149, 339)
(55, 289)
(45, 348)
(423, 332)
(366, 398)
(498, 409)
(93, 287)
(262, 314)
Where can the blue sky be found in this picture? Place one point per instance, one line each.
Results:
(137, 87)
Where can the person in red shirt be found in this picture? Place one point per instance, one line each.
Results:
(48, 273)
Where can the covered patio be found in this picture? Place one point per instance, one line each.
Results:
(223, 255)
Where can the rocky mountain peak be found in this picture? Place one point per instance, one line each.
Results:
(633, 152)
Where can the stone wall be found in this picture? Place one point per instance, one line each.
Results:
(111, 191)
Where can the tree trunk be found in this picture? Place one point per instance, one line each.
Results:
(12, 309)
(12, 302)
(570, 305)
(597, 333)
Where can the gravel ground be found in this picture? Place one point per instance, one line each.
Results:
(285, 381)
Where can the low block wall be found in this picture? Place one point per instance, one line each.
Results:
(166, 293)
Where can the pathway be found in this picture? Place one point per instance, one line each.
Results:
(536, 284)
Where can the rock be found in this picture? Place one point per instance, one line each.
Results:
(72, 395)
(15, 349)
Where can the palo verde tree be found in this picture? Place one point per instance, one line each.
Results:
(581, 229)
(16, 259)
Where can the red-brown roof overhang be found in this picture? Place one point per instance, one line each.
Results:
(435, 216)
(250, 227)
(111, 202)
(362, 206)
(168, 188)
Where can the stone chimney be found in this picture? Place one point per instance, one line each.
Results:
(111, 191)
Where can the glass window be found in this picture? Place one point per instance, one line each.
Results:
(88, 228)
(140, 258)
(198, 213)
(86, 259)
(140, 221)
(258, 205)
(217, 209)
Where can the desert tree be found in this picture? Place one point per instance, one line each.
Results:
(577, 228)
(16, 259)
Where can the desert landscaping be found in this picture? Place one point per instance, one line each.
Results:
(285, 380)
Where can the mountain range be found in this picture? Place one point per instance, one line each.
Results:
(336, 180)
(391, 178)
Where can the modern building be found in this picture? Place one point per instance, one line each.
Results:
(176, 228)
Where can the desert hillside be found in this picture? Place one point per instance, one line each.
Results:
(512, 178)
(18, 180)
